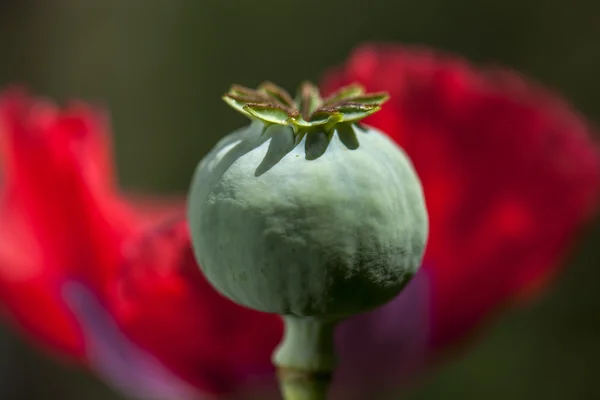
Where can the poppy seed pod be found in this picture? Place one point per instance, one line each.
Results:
(308, 214)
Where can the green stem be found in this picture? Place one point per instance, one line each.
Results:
(305, 359)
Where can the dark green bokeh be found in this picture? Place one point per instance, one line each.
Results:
(160, 67)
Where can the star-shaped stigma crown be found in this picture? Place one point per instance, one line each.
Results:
(271, 104)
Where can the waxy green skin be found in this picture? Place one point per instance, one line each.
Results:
(312, 226)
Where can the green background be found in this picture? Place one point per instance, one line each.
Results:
(160, 67)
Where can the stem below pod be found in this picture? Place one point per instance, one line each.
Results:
(305, 359)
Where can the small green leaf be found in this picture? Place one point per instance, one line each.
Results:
(268, 113)
(242, 92)
(237, 105)
(355, 112)
(277, 93)
(309, 100)
(243, 95)
(346, 92)
(370, 98)
(326, 116)
(347, 136)
(301, 123)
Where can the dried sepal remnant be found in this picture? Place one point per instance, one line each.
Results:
(274, 105)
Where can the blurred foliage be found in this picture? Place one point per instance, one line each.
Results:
(160, 67)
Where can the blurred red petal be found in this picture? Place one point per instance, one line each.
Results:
(155, 209)
(60, 214)
(65, 226)
(166, 306)
(510, 174)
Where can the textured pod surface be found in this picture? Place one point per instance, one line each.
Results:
(318, 226)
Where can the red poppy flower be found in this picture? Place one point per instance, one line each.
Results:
(509, 172)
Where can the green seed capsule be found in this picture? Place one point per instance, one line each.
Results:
(306, 214)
